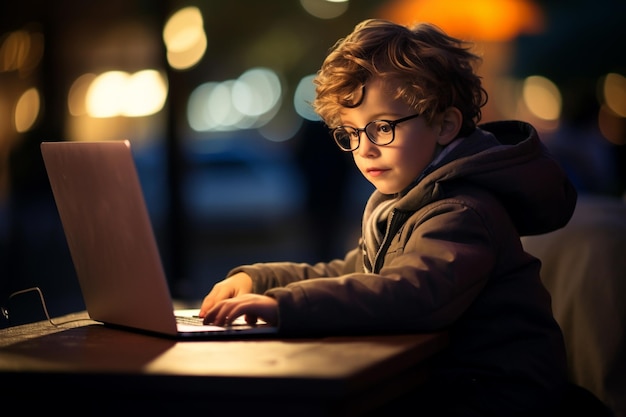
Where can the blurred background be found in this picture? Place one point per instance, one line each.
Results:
(213, 96)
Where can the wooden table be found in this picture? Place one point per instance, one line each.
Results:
(117, 371)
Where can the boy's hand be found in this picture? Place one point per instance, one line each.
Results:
(233, 286)
(253, 306)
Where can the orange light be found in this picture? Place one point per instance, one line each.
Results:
(477, 20)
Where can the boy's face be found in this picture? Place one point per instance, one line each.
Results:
(390, 168)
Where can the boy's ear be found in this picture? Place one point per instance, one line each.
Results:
(451, 120)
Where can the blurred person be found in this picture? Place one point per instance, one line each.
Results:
(440, 246)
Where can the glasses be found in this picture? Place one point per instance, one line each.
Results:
(379, 132)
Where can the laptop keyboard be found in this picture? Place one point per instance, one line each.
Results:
(189, 320)
(197, 321)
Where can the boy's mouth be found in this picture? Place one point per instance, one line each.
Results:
(374, 172)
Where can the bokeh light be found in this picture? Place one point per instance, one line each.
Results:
(21, 51)
(304, 95)
(76, 98)
(250, 101)
(27, 110)
(185, 39)
(542, 97)
(325, 9)
(479, 20)
(118, 93)
(614, 89)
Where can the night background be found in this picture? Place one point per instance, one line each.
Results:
(226, 185)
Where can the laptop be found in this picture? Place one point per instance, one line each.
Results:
(112, 243)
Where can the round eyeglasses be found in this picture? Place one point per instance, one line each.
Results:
(379, 132)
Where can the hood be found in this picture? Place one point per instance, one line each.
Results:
(508, 159)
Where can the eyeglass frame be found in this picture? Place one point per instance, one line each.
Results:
(391, 123)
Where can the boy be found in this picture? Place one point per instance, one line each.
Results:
(440, 245)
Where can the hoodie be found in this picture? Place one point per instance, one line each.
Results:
(450, 259)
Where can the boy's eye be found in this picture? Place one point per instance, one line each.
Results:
(384, 128)
(381, 128)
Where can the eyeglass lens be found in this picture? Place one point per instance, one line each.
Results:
(379, 132)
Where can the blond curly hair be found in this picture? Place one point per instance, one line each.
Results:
(426, 68)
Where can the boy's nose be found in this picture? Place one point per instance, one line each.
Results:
(366, 147)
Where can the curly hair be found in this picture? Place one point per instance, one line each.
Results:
(426, 68)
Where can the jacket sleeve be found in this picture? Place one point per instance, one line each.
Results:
(436, 266)
(270, 275)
